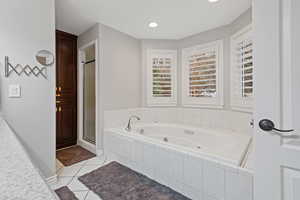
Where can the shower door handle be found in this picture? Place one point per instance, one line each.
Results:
(268, 125)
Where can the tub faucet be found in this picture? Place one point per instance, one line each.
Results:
(128, 128)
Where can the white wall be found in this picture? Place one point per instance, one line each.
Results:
(27, 27)
(121, 68)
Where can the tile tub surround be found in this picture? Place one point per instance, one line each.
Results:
(19, 178)
(197, 177)
(218, 119)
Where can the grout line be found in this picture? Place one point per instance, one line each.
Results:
(85, 162)
(57, 172)
(81, 166)
(70, 181)
(72, 177)
(86, 195)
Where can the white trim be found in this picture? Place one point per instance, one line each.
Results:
(161, 101)
(203, 102)
(287, 67)
(52, 180)
(99, 152)
(238, 102)
(80, 141)
(203, 106)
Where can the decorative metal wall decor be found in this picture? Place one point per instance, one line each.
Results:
(20, 69)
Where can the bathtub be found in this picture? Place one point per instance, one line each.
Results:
(224, 146)
(203, 164)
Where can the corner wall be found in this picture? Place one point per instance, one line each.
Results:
(122, 69)
(221, 33)
(119, 70)
(27, 27)
(91, 35)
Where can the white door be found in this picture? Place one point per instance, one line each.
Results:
(277, 97)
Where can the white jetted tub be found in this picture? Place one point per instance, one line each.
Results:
(221, 145)
(198, 162)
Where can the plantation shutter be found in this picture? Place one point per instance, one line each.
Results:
(162, 67)
(245, 63)
(202, 75)
(242, 70)
(161, 77)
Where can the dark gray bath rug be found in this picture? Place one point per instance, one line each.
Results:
(117, 182)
(64, 193)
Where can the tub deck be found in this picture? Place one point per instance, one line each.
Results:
(221, 145)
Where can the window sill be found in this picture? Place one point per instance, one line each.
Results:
(162, 105)
(203, 106)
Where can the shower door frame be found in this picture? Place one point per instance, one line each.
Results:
(91, 147)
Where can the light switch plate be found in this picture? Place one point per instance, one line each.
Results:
(14, 91)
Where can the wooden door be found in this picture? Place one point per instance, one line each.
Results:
(277, 97)
(66, 89)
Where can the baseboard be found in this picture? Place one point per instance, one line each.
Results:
(88, 146)
(52, 179)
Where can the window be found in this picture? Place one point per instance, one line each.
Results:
(161, 75)
(202, 68)
(242, 70)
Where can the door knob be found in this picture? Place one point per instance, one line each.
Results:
(268, 125)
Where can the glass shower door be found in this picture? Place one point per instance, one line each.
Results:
(89, 102)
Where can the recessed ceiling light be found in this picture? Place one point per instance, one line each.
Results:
(213, 1)
(153, 25)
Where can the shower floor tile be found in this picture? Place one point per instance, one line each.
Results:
(73, 155)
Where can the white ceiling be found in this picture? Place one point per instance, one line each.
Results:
(176, 18)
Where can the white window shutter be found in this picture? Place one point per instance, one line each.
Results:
(161, 77)
(242, 70)
(202, 75)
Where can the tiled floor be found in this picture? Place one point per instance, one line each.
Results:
(68, 176)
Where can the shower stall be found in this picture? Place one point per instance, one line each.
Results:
(89, 94)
